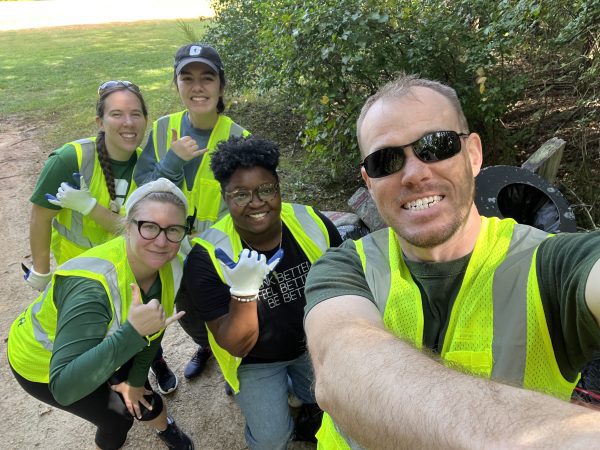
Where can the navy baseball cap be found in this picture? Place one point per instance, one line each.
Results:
(198, 53)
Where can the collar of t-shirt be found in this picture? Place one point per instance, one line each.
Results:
(153, 292)
(438, 269)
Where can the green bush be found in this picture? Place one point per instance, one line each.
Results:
(325, 57)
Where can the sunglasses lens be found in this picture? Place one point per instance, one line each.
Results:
(437, 146)
(432, 147)
(392, 160)
(110, 84)
(384, 162)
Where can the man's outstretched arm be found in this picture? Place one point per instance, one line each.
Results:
(386, 394)
(592, 291)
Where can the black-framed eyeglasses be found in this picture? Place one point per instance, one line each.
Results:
(432, 147)
(114, 83)
(265, 192)
(150, 230)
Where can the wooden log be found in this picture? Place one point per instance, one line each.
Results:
(546, 159)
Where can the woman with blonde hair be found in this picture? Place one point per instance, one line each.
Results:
(86, 344)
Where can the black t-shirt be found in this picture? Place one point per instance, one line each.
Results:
(281, 303)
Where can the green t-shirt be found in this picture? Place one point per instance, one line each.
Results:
(563, 265)
(62, 164)
(82, 361)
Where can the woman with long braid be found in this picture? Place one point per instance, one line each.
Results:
(101, 170)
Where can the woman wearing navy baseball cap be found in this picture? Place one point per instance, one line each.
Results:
(180, 145)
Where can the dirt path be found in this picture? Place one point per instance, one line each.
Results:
(200, 407)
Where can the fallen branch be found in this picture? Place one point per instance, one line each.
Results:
(584, 207)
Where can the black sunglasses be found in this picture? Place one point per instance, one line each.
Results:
(114, 83)
(432, 147)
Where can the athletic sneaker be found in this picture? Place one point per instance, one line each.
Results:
(294, 401)
(197, 364)
(307, 423)
(165, 378)
(174, 438)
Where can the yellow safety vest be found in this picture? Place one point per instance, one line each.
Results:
(308, 230)
(72, 232)
(205, 194)
(497, 327)
(31, 336)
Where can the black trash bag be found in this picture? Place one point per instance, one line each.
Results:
(508, 191)
(349, 225)
(352, 231)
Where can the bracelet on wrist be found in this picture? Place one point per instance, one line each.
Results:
(251, 298)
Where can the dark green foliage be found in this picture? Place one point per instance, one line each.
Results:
(325, 57)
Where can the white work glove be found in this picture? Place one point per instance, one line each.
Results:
(37, 281)
(70, 197)
(246, 276)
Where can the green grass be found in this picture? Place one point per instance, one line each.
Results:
(52, 75)
(50, 78)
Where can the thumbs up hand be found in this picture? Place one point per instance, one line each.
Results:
(186, 147)
(78, 199)
(148, 318)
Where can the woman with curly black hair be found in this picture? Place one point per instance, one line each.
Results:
(255, 321)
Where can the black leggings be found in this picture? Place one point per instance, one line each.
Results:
(104, 408)
(190, 322)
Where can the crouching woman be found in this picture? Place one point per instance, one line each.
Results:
(85, 345)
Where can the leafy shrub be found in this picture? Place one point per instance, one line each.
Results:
(325, 57)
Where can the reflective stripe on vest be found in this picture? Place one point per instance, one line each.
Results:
(497, 326)
(510, 311)
(72, 232)
(309, 232)
(86, 156)
(38, 330)
(109, 271)
(205, 194)
(82, 263)
(32, 334)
